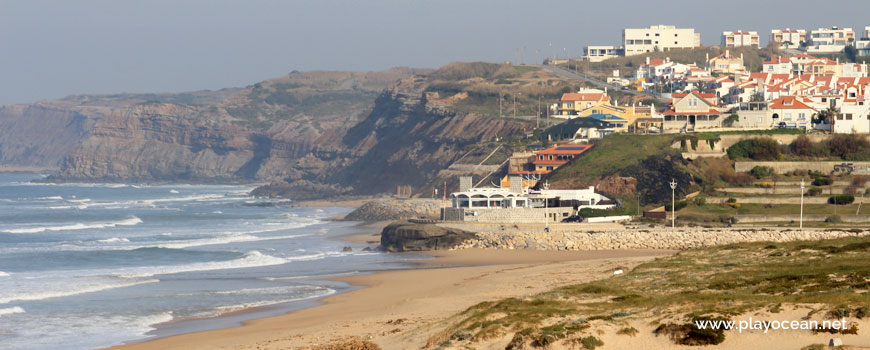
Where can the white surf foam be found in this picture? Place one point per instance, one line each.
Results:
(113, 240)
(11, 310)
(64, 288)
(250, 259)
(173, 191)
(131, 221)
(3, 274)
(51, 198)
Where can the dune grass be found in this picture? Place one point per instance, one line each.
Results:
(719, 282)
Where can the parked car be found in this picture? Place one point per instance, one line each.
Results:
(573, 218)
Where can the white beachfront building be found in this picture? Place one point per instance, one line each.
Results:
(517, 196)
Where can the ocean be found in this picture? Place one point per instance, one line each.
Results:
(84, 266)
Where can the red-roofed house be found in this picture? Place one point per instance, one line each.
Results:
(573, 102)
(549, 159)
(692, 111)
(792, 112)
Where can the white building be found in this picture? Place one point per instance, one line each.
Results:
(600, 53)
(852, 118)
(501, 198)
(832, 39)
(740, 38)
(788, 38)
(658, 38)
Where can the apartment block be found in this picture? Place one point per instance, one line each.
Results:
(788, 38)
(740, 38)
(832, 39)
(601, 52)
(658, 38)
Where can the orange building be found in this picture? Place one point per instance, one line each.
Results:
(549, 159)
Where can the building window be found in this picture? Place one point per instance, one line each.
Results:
(848, 116)
(657, 34)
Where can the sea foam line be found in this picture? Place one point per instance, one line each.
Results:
(11, 310)
(78, 226)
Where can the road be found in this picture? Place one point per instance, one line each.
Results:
(567, 74)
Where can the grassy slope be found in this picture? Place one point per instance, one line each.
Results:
(609, 155)
(720, 281)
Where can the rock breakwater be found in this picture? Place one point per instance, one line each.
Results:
(509, 237)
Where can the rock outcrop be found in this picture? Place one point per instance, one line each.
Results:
(404, 236)
(397, 209)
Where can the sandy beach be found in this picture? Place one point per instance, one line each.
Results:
(402, 309)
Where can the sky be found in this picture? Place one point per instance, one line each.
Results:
(54, 48)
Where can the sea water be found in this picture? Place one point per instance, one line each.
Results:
(92, 265)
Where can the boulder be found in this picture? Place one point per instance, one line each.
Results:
(403, 236)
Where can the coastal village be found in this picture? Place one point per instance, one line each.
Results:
(650, 193)
(800, 95)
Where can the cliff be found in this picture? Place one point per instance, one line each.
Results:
(308, 135)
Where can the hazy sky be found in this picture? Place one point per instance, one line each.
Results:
(53, 48)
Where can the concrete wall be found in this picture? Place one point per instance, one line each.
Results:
(519, 215)
(783, 167)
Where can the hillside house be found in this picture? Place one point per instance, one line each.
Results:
(692, 111)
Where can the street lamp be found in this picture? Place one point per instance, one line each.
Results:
(802, 205)
(673, 204)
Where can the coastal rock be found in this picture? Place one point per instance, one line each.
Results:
(580, 238)
(405, 236)
(397, 209)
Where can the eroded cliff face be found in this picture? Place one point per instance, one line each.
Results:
(405, 141)
(164, 142)
(40, 136)
(308, 134)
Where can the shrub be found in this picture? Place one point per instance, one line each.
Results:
(841, 199)
(734, 205)
(630, 331)
(760, 171)
(814, 191)
(822, 181)
(847, 145)
(859, 181)
(834, 219)
(801, 146)
(850, 190)
(680, 205)
(764, 185)
(763, 148)
(591, 342)
(732, 200)
(700, 201)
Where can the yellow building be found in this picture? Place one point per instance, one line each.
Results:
(573, 102)
(629, 113)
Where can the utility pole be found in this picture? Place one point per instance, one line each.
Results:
(539, 106)
(673, 205)
(802, 205)
(537, 56)
(515, 106)
(445, 191)
(500, 97)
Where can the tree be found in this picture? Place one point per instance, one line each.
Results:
(827, 115)
(851, 53)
